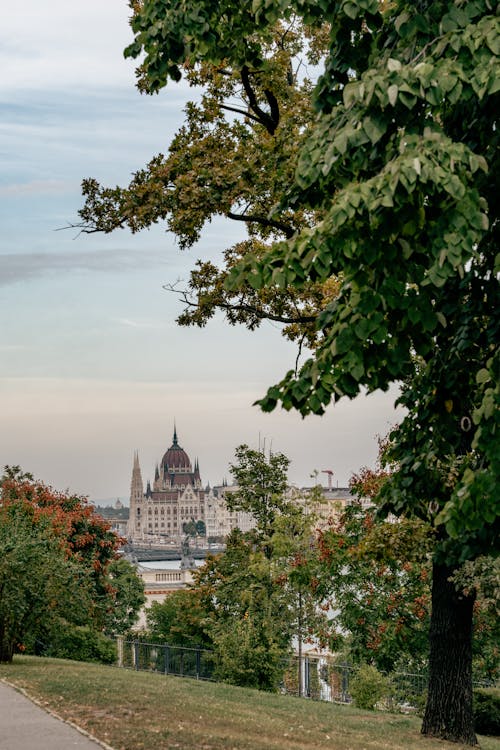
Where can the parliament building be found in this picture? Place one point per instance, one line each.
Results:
(177, 497)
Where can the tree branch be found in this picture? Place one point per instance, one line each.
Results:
(244, 112)
(241, 307)
(264, 221)
(271, 121)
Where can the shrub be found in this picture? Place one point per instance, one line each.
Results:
(81, 643)
(368, 686)
(487, 711)
(245, 657)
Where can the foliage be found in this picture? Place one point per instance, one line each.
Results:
(128, 596)
(408, 186)
(37, 583)
(377, 577)
(233, 607)
(368, 687)
(487, 711)
(182, 619)
(55, 552)
(397, 185)
(81, 643)
(261, 487)
(234, 156)
(249, 653)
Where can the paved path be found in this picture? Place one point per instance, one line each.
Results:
(26, 726)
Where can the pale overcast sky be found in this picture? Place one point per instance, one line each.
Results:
(93, 365)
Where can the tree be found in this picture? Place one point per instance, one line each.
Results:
(128, 594)
(254, 617)
(54, 558)
(234, 157)
(182, 619)
(377, 576)
(39, 586)
(398, 179)
(261, 487)
(248, 603)
(404, 162)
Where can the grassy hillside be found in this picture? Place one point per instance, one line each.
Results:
(133, 710)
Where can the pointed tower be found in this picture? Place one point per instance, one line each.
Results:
(156, 483)
(136, 496)
(197, 478)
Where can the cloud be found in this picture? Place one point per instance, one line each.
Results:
(16, 267)
(35, 187)
(59, 44)
(140, 324)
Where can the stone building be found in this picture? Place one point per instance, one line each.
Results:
(220, 520)
(159, 513)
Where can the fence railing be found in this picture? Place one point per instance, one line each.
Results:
(314, 677)
(162, 657)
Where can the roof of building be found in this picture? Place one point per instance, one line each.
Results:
(176, 457)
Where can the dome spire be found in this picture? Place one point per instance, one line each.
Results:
(175, 443)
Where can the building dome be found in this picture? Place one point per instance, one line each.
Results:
(176, 459)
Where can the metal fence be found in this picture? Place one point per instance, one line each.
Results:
(325, 678)
(162, 657)
(314, 677)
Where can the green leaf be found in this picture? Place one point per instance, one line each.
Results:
(483, 376)
(351, 9)
(374, 128)
(393, 65)
(392, 93)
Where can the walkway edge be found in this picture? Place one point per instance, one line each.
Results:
(72, 724)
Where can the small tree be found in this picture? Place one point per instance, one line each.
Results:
(39, 585)
(368, 687)
(128, 596)
(377, 577)
(262, 483)
(56, 553)
(182, 619)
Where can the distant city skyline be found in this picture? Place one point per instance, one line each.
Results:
(94, 366)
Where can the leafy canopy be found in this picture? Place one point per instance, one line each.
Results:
(234, 157)
(402, 164)
(384, 177)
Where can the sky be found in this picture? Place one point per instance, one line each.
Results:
(92, 363)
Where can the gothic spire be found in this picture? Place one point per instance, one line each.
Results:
(136, 486)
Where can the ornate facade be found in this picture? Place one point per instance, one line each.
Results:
(176, 498)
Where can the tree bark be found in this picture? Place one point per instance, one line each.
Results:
(448, 712)
(6, 647)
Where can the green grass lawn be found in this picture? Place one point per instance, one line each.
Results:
(133, 710)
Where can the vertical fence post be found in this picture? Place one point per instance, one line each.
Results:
(345, 682)
(119, 649)
(167, 659)
(135, 650)
(198, 663)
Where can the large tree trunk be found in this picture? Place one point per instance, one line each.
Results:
(6, 646)
(448, 713)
